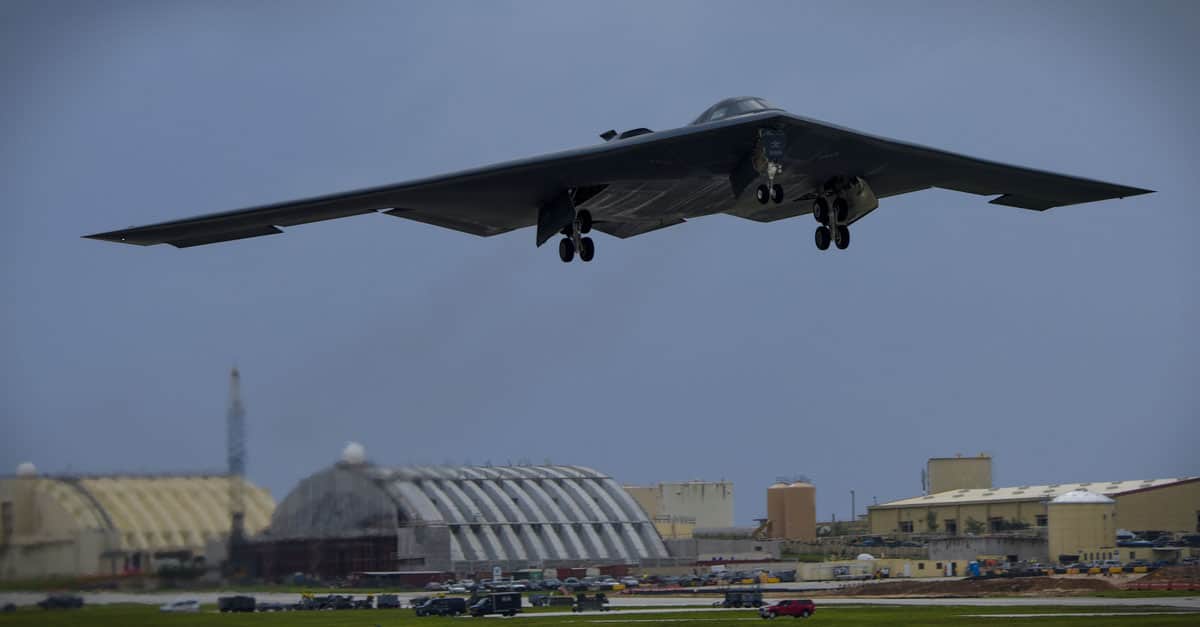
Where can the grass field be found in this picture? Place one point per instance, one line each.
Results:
(121, 615)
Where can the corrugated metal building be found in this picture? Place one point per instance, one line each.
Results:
(454, 519)
(101, 525)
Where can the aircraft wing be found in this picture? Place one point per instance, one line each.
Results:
(483, 201)
(895, 167)
(499, 198)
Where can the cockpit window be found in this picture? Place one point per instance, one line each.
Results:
(733, 107)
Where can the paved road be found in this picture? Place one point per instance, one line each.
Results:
(617, 601)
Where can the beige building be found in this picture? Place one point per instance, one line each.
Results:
(100, 525)
(944, 474)
(705, 504)
(1083, 525)
(1171, 505)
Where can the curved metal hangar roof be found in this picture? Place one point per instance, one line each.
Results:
(509, 513)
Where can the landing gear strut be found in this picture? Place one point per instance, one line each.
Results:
(573, 239)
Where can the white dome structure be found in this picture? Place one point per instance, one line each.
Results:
(863, 557)
(26, 469)
(354, 454)
(1081, 496)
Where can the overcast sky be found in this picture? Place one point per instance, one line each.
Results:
(1063, 343)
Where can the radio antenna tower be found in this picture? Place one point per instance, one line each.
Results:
(235, 425)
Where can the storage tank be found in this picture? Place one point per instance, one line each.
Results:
(775, 509)
(1082, 524)
(800, 512)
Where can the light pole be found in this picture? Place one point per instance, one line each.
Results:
(852, 509)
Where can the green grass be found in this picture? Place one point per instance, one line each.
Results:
(1145, 594)
(115, 615)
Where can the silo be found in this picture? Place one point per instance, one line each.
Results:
(800, 512)
(1082, 524)
(776, 509)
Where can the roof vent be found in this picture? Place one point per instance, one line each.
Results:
(26, 469)
(354, 454)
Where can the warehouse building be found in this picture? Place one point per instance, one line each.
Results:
(1166, 505)
(357, 517)
(109, 524)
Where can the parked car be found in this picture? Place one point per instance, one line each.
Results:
(573, 583)
(456, 588)
(435, 586)
(442, 606)
(388, 602)
(187, 605)
(238, 603)
(629, 582)
(802, 608)
(61, 602)
(551, 583)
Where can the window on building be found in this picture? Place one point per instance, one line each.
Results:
(939, 565)
(906, 526)
(6, 520)
(920, 565)
(995, 524)
(951, 525)
(1041, 520)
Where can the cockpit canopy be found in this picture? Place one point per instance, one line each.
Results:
(731, 107)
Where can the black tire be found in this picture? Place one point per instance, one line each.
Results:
(566, 250)
(805, 614)
(584, 217)
(587, 249)
(822, 238)
(841, 210)
(762, 194)
(843, 237)
(777, 193)
(821, 211)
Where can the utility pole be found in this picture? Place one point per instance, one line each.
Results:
(853, 511)
(235, 433)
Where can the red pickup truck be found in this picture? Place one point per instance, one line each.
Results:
(803, 608)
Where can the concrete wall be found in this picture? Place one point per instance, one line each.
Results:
(647, 497)
(969, 548)
(708, 550)
(955, 473)
(1169, 508)
(708, 504)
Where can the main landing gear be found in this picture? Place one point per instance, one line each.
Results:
(764, 194)
(833, 220)
(573, 240)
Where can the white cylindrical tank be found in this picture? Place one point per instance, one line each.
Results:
(1081, 524)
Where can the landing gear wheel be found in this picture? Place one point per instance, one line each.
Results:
(821, 211)
(762, 194)
(841, 210)
(584, 218)
(777, 193)
(587, 249)
(841, 237)
(822, 238)
(566, 250)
